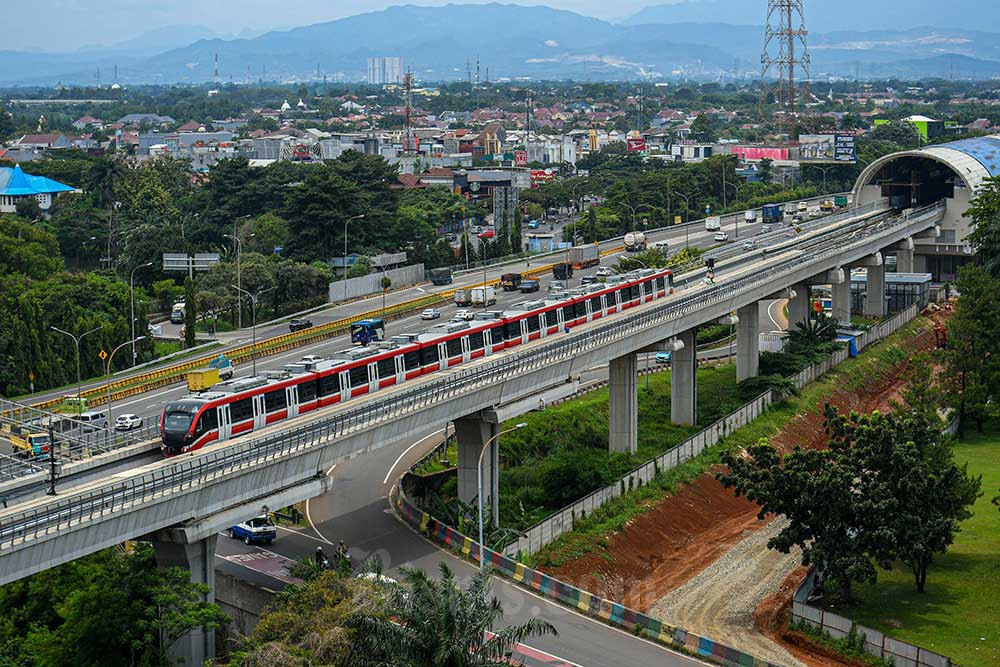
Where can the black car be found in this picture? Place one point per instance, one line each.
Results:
(529, 286)
(299, 325)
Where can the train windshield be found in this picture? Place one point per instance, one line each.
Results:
(178, 416)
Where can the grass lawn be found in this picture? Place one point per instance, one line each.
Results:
(959, 614)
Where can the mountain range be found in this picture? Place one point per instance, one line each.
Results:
(516, 41)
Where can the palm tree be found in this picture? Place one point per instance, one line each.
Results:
(100, 181)
(437, 623)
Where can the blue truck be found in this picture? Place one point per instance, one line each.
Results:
(367, 331)
(772, 214)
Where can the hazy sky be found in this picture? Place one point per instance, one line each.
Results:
(69, 24)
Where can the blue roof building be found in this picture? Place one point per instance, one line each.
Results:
(16, 185)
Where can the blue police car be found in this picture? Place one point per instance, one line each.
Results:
(259, 529)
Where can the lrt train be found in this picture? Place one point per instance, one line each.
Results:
(243, 405)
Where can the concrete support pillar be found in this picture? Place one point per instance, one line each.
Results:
(875, 291)
(198, 558)
(473, 433)
(684, 380)
(842, 300)
(747, 341)
(623, 388)
(798, 305)
(904, 261)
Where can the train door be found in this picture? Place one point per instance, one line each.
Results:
(259, 412)
(466, 350)
(642, 292)
(442, 356)
(400, 368)
(372, 377)
(292, 401)
(345, 386)
(225, 423)
(524, 330)
(543, 330)
(561, 319)
(590, 312)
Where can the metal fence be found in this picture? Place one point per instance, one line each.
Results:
(899, 653)
(564, 520)
(353, 288)
(179, 476)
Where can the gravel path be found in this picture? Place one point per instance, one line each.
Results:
(719, 601)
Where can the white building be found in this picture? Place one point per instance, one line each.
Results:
(385, 69)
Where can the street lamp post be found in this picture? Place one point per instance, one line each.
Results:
(76, 340)
(107, 374)
(131, 300)
(824, 170)
(353, 217)
(687, 207)
(479, 471)
(254, 300)
(239, 277)
(737, 188)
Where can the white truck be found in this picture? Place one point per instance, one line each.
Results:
(484, 296)
(177, 313)
(713, 223)
(750, 217)
(635, 241)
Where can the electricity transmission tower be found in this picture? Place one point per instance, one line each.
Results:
(785, 52)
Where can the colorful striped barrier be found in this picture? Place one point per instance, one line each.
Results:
(583, 601)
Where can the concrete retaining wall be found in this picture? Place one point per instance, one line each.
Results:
(244, 603)
(372, 283)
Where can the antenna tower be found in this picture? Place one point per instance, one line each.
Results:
(782, 54)
(409, 147)
(216, 66)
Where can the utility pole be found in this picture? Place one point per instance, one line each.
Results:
(781, 38)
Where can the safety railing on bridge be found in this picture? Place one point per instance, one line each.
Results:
(26, 524)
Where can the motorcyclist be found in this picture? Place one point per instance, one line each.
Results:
(321, 557)
(342, 551)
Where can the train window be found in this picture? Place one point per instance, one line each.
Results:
(307, 391)
(512, 330)
(634, 291)
(241, 410)
(569, 313)
(661, 284)
(595, 304)
(359, 375)
(551, 318)
(329, 384)
(476, 340)
(275, 400)
(533, 325)
(207, 421)
(623, 295)
(497, 334)
(387, 367)
(454, 347)
(429, 354)
(412, 360)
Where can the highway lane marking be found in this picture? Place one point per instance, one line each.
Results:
(770, 314)
(406, 451)
(539, 655)
(312, 525)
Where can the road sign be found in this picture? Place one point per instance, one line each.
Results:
(103, 355)
(31, 376)
(677, 219)
(708, 209)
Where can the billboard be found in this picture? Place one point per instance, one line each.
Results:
(520, 158)
(835, 148)
(754, 153)
(635, 145)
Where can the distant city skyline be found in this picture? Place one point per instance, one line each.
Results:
(72, 24)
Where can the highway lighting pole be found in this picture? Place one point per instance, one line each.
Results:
(239, 277)
(479, 471)
(687, 207)
(824, 170)
(737, 188)
(633, 215)
(353, 217)
(131, 300)
(76, 340)
(254, 300)
(107, 372)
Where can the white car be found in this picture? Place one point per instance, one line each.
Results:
(430, 314)
(127, 422)
(721, 237)
(603, 272)
(750, 244)
(464, 315)
(312, 358)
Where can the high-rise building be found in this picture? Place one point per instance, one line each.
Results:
(385, 69)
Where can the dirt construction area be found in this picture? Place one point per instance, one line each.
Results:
(698, 559)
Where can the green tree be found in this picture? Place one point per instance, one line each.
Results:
(27, 249)
(900, 132)
(765, 170)
(516, 243)
(362, 267)
(28, 208)
(437, 623)
(591, 236)
(704, 128)
(190, 317)
(101, 180)
(984, 215)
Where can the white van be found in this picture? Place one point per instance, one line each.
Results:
(662, 246)
(94, 419)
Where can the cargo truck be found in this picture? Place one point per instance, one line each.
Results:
(463, 297)
(713, 223)
(584, 257)
(772, 214)
(201, 379)
(28, 443)
(750, 216)
(635, 242)
(826, 205)
(510, 281)
(441, 276)
(483, 296)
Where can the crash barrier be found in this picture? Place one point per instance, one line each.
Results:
(564, 520)
(610, 612)
(352, 288)
(896, 652)
(138, 384)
